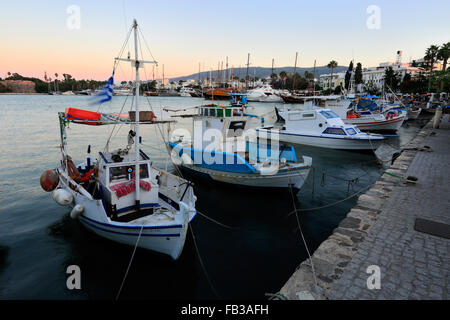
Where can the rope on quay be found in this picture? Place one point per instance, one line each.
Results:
(333, 203)
(276, 296)
(129, 264)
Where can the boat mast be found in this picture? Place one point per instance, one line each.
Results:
(136, 146)
(246, 76)
(295, 72)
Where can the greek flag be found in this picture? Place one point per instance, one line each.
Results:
(106, 93)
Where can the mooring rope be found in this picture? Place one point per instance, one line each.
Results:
(202, 264)
(301, 233)
(129, 264)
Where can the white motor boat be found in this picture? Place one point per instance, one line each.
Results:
(123, 92)
(120, 196)
(321, 128)
(263, 94)
(237, 157)
(186, 92)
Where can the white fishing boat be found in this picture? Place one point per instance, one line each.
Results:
(366, 119)
(120, 196)
(237, 157)
(263, 94)
(185, 92)
(320, 128)
(123, 92)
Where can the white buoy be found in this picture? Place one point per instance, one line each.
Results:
(62, 197)
(76, 211)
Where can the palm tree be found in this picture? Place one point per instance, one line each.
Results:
(333, 64)
(444, 54)
(56, 82)
(431, 57)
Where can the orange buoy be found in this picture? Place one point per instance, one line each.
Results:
(49, 180)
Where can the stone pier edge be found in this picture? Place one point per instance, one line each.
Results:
(334, 254)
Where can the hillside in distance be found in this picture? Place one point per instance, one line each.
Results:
(260, 72)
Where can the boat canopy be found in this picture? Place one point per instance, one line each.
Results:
(93, 118)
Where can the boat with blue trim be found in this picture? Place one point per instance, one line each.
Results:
(224, 149)
(320, 128)
(120, 196)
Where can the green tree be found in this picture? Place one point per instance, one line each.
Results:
(358, 74)
(391, 78)
(348, 75)
(431, 56)
(333, 64)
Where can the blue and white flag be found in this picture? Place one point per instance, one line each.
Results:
(106, 93)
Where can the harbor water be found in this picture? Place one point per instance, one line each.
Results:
(255, 250)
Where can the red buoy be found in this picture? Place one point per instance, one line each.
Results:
(49, 180)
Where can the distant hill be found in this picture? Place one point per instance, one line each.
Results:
(261, 72)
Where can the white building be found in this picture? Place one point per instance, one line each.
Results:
(374, 77)
(338, 79)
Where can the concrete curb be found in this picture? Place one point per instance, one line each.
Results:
(334, 254)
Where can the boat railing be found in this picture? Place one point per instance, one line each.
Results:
(220, 111)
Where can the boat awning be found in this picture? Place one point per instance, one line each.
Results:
(93, 118)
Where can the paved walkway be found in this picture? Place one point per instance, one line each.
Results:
(413, 265)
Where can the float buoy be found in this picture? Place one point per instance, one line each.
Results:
(62, 197)
(49, 180)
(76, 211)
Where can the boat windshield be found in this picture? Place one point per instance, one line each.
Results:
(329, 114)
(127, 172)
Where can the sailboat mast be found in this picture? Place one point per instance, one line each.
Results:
(295, 72)
(137, 137)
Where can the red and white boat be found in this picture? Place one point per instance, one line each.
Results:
(369, 121)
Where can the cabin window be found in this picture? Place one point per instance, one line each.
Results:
(357, 130)
(351, 131)
(295, 116)
(308, 115)
(127, 172)
(337, 131)
(329, 114)
(236, 128)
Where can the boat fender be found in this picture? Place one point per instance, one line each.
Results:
(62, 197)
(49, 180)
(76, 211)
(184, 209)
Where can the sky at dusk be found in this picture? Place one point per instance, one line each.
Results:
(181, 34)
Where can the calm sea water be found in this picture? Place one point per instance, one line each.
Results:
(38, 240)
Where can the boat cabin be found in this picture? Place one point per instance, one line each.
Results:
(317, 122)
(117, 183)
